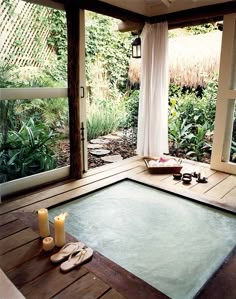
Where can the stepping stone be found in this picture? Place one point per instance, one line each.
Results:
(92, 146)
(99, 152)
(113, 137)
(119, 133)
(99, 141)
(112, 158)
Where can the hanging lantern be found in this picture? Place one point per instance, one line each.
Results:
(136, 48)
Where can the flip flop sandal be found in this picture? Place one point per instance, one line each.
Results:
(76, 259)
(66, 251)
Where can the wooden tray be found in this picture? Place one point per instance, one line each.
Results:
(162, 169)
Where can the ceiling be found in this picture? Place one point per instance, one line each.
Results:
(151, 8)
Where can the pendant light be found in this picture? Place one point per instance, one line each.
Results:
(136, 48)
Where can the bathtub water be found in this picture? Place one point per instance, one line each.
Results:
(172, 243)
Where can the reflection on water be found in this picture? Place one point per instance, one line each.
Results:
(171, 243)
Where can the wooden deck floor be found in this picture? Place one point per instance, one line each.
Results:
(29, 268)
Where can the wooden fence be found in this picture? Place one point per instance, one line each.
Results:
(24, 33)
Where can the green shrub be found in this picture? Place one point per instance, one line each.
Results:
(191, 119)
(103, 117)
(201, 29)
(27, 151)
(132, 106)
(108, 46)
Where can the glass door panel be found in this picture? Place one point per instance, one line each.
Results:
(33, 137)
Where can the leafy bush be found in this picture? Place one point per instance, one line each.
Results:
(191, 119)
(132, 106)
(201, 29)
(103, 117)
(104, 43)
(198, 145)
(28, 151)
(179, 135)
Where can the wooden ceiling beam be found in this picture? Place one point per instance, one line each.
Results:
(134, 26)
(107, 9)
(196, 14)
(176, 19)
(195, 23)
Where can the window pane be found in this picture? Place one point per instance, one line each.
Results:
(33, 136)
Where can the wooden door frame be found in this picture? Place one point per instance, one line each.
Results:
(73, 37)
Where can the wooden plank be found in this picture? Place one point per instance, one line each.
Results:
(123, 281)
(112, 294)
(221, 189)
(80, 191)
(213, 180)
(187, 168)
(16, 240)
(36, 197)
(20, 255)
(31, 269)
(151, 178)
(6, 219)
(54, 279)
(73, 38)
(38, 191)
(195, 22)
(204, 172)
(106, 167)
(108, 10)
(186, 193)
(165, 179)
(231, 195)
(222, 284)
(196, 14)
(229, 199)
(11, 228)
(89, 286)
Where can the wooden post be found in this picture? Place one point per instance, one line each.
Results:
(73, 31)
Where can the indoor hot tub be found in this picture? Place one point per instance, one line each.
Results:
(171, 242)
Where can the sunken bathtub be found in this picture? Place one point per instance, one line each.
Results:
(172, 242)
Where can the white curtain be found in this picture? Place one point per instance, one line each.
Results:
(153, 102)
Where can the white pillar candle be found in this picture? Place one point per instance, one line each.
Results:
(59, 227)
(43, 223)
(48, 244)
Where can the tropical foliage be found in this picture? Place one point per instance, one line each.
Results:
(27, 151)
(28, 128)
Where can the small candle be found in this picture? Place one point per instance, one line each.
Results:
(59, 227)
(43, 223)
(48, 244)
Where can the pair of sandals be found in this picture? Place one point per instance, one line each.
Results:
(74, 253)
(187, 177)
